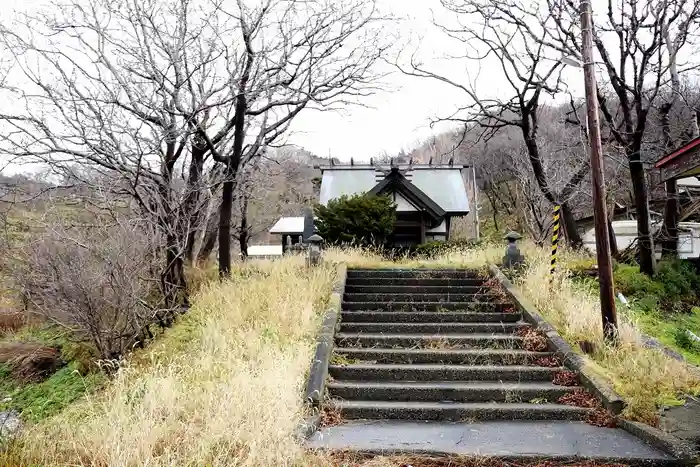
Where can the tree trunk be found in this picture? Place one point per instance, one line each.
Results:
(226, 210)
(210, 237)
(192, 214)
(173, 277)
(243, 228)
(669, 242)
(572, 233)
(669, 239)
(647, 260)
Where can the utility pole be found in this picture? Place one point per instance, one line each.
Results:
(605, 276)
(476, 204)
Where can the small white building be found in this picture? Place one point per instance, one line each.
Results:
(626, 233)
(264, 251)
(292, 230)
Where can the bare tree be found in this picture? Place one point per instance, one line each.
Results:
(492, 32)
(94, 282)
(637, 42)
(150, 94)
(295, 55)
(110, 89)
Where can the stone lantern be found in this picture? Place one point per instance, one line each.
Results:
(513, 258)
(315, 242)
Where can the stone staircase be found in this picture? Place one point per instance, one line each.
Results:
(438, 362)
(437, 345)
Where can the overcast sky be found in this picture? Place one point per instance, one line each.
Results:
(398, 118)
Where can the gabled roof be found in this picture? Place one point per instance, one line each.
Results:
(289, 225)
(443, 184)
(397, 182)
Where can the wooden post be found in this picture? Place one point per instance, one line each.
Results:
(605, 276)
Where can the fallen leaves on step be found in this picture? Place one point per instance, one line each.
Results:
(599, 416)
(603, 418)
(346, 459)
(331, 416)
(579, 398)
(549, 362)
(565, 378)
(533, 340)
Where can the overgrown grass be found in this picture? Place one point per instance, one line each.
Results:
(220, 388)
(646, 378)
(37, 401)
(478, 257)
(666, 306)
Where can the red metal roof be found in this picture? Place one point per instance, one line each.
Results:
(678, 152)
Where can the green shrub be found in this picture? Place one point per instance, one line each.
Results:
(679, 280)
(673, 288)
(683, 340)
(630, 281)
(360, 220)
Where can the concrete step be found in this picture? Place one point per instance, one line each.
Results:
(417, 273)
(419, 297)
(429, 306)
(436, 372)
(432, 341)
(448, 391)
(456, 356)
(353, 316)
(431, 328)
(498, 442)
(413, 281)
(457, 411)
(417, 289)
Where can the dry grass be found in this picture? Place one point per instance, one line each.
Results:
(645, 378)
(11, 321)
(476, 258)
(222, 388)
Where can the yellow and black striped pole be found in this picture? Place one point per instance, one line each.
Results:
(555, 241)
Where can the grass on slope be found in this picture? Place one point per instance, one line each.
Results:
(666, 306)
(646, 378)
(222, 387)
